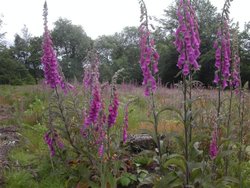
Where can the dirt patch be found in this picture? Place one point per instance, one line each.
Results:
(8, 139)
(5, 112)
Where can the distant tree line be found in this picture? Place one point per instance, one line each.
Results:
(20, 63)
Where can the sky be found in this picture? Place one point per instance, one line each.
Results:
(97, 17)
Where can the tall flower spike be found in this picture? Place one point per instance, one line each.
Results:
(49, 59)
(223, 50)
(235, 71)
(113, 109)
(125, 126)
(148, 55)
(222, 56)
(94, 117)
(114, 105)
(187, 40)
(213, 150)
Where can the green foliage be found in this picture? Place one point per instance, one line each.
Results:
(12, 72)
(21, 179)
(72, 44)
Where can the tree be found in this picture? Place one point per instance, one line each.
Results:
(120, 51)
(244, 41)
(27, 51)
(11, 71)
(72, 44)
(2, 35)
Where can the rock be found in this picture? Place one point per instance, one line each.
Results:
(139, 142)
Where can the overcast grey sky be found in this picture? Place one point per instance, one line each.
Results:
(97, 17)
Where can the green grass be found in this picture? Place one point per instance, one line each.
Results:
(30, 164)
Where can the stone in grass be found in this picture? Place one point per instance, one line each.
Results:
(140, 142)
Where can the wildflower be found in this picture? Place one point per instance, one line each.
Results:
(222, 56)
(113, 110)
(53, 140)
(236, 73)
(101, 150)
(187, 39)
(148, 56)
(49, 59)
(95, 107)
(125, 122)
(213, 150)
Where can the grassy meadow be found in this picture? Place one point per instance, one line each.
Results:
(30, 165)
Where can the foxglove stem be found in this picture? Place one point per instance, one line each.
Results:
(149, 65)
(65, 121)
(190, 106)
(186, 127)
(241, 115)
(187, 43)
(228, 128)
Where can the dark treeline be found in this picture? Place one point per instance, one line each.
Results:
(20, 63)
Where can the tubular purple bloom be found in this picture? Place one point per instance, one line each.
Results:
(187, 40)
(113, 110)
(53, 140)
(213, 150)
(95, 107)
(125, 126)
(148, 55)
(49, 59)
(101, 150)
(236, 73)
(222, 56)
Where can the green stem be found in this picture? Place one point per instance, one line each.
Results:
(228, 129)
(190, 107)
(60, 106)
(241, 114)
(108, 142)
(186, 129)
(156, 124)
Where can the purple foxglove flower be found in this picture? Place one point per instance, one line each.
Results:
(125, 126)
(53, 141)
(222, 56)
(95, 107)
(101, 150)
(187, 40)
(49, 59)
(235, 82)
(213, 150)
(113, 110)
(148, 58)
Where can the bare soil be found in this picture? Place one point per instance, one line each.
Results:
(8, 139)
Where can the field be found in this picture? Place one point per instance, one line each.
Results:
(25, 159)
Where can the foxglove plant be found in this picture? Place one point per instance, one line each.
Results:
(148, 55)
(94, 118)
(149, 66)
(222, 55)
(234, 83)
(96, 123)
(187, 42)
(53, 78)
